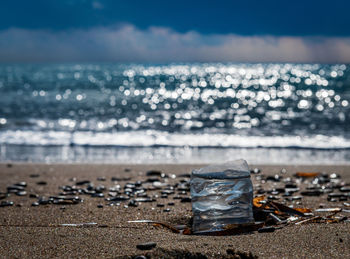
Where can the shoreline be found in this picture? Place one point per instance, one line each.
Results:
(29, 231)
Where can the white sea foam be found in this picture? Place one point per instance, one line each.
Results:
(152, 138)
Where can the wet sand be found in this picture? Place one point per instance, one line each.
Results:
(35, 232)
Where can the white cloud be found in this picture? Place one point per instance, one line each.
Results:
(156, 44)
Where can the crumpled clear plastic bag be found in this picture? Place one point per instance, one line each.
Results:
(222, 195)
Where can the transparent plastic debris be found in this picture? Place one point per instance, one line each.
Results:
(222, 196)
(89, 224)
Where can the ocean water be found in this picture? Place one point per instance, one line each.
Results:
(190, 113)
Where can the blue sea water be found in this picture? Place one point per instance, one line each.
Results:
(190, 113)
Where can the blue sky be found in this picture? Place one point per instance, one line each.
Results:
(163, 31)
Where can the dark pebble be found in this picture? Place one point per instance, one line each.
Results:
(9, 165)
(186, 199)
(3, 195)
(6, 203)
(101, 179)
(15, 188)
(160, 205)
(345, 189)
(152, 179)
(21, 193)
(33, 195)
(266, 229)
(332, 199)
(255, 171)
(100, 206)
(260, 191)
(138, 183)
(292, 190)
(335, 195)
(34, 204)
(118, 198)
(312, 193)
(146, 246)
(144, 199)
(41, 183)
(132, 203)
(171, 203)
(103, 226)
(153, 173)
(22, 184)
(83, 182)
(98, 195)
(140, 257)
(168, 192)
(167, 210)
(274, 178)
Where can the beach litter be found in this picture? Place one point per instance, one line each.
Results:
(280, 200)
(268, 214)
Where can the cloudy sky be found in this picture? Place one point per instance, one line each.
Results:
(171, 31)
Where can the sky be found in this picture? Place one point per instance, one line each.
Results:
(174, 31)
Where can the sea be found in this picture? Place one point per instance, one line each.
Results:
(175, 113)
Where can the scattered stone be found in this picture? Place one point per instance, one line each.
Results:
(255, 171)
(146, 246)
(21, 193)
(22, 184)
(98, 195)
(186, 199)
(118, 198)
(41, 183)
(6, 203)
(83, 182)
(102, 226)
(132, 203)
(100, 206)
(312, 193)
(34, 175)
(266, 229)
(153, 173)
(3, 195)
(144, 199)
(14, 188)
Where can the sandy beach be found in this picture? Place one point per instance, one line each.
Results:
(28, 231)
